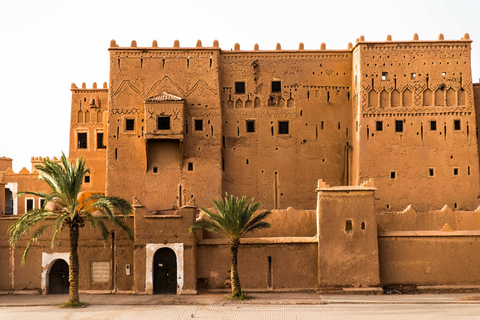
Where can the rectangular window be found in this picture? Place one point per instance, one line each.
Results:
(86, 179)
(456, 125)
(398, 125)
(393, 175)
(384, 75)
(250, 125)
(190, 166)
(413, 75)
(276, 86)
(444, 74)
(239, 87)
(100, 144)
(455, 171)
(283, 127)
(82, 140)
(163, 123)
(29, 204)
(129, 124)
(433, 125)
(379, 125)
(431, 172)
(41, 202)
(198, 124)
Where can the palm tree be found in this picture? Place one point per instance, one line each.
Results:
(233, 221)
(69, 210)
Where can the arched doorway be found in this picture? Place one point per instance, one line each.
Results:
(165, 271)
(58, 278)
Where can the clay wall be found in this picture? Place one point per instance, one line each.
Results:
(429, 257)
(312, 99)
(88, 116)
(139, 73)
(415, 108)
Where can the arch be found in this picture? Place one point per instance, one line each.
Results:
(58, 282)
(87, 116)
(239, 104)
(439, 98)
(427, 98)
(48, 260)
(272, 101)
(373, 99)
(256, 103)
(281, 103)
(248, 103)
(407, 98)
(230, 104)
(384, 99)
(99, 116)
(290, 103)
(451, 97)
(151, 249)
(164, 271)
(395, 98)
(461, 97)
(80, 116)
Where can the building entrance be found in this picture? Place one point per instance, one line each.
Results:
(58, 278)
(165, 271)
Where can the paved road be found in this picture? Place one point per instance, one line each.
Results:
(249, 311)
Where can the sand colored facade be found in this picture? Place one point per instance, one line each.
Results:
(356, 151)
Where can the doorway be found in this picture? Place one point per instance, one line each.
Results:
(58, 278)
(164, 271)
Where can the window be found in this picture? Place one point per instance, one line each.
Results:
(431, 172)
(384, 75)
(433, 125)
(129, 124)
(379, 125)
(398, 126)
(155, 169)
(444, 74)
(163, 123)
(41, 202)
(29, 204)
(239, 87)
(86, 179)
(198, 124)
(82, 140)
(190, 166)
(276, 86)
(455, 171)
(282, 127)
(456, 125)
(413, 75)
(348, 226)
(250, 125)
(100, 144)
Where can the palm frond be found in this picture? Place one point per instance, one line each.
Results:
(33, 239)
(25, 223)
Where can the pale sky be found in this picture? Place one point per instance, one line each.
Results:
(46, 45)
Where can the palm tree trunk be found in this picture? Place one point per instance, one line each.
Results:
(73, 270)
(234, 279)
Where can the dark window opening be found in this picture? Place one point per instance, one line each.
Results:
(398, 126)
(455, 171)
(393, 175)
(42, 203)
(130, 124)
(379, 125)
(29, 204)
(86, 179)
(155, 169)
(276, 86)
(282, 127)
(100, 144)
(431, 172)
(190, 166)
(239, 87)
(250, 125)
(384, 75)
(363, 226)
(348, 226)
(433, 125)
(163, 123)
(456, 125)
(82, 140)
(198, 124)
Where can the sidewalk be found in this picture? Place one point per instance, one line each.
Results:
(271, 298)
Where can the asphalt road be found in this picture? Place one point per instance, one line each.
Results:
(250, 312)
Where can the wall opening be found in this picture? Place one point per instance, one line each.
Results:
(269, 274)
(348, 226)
(363, 226)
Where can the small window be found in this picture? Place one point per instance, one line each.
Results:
(431, 172)
(250, 125)
(29, 204)
(87, 179)
(384, 75)
(444, 74)
(413, 75)
(379, 125)
(82, 140)
(456, 125)
(455, 171)
(276, 86)
(100, 144)
(155, 169)
(129, 124)
(41, 202)
(198, 124)
(348, 226)
(363, 226)
(163, 123)
(283, 127)
(239, 87)
(398, 125)
(393, 175)
(433, 125)
(190, 166)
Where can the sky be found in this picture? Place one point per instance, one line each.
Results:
(46, 45)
